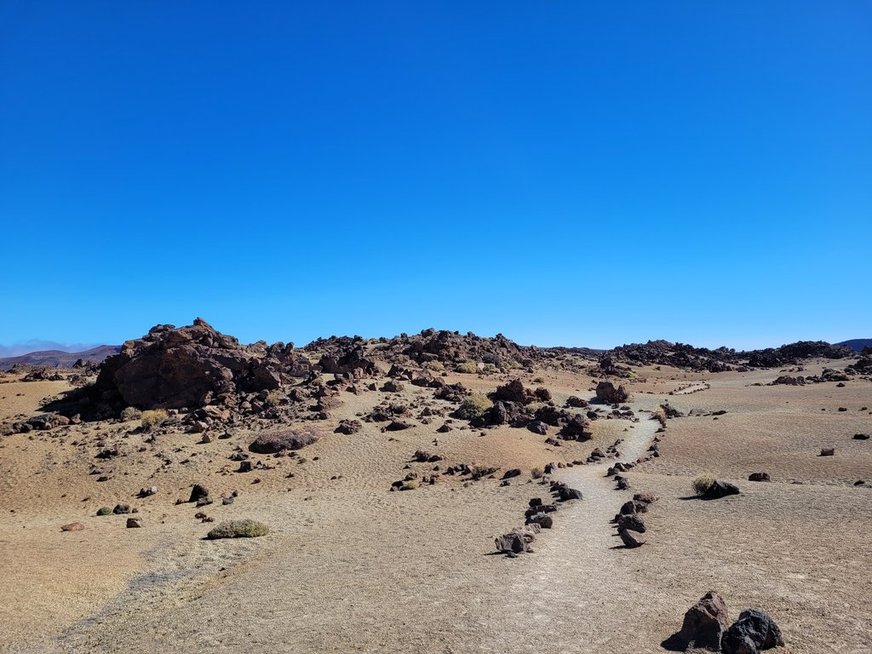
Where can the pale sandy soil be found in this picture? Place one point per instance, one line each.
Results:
(352, 567)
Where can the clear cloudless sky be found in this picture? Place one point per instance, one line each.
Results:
(576, 173)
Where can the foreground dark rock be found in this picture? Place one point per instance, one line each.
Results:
(630, 538)
(720, 489)
(752, 632)
(703, 626)
(606, 392)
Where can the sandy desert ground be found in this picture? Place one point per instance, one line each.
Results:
(350, 566)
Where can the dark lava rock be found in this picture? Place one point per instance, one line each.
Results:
(606, 392)
(630, 539)
(176, 368)
(752, 632)
(348, 427)
(632, 522)
(703, 627)
(198, 492)
(397, 425)
(537, 427)
(720, 489)
(565, 494)
(544, 520)
(514, 543)
(514, 391)
(759, 476)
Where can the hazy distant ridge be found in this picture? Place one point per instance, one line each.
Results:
(58, 358)
(857, 344)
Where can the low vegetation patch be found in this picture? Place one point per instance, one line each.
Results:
(473, 407)
(152, 418)
(238, 529)
(280, 440)
(702, 483)
(130, 413)
(468, 367)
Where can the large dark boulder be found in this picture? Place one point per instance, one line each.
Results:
(352, 361)
(752, 632)
(703, 627)
(514, 391)
(606, 392)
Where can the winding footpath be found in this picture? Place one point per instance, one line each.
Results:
(579, 571)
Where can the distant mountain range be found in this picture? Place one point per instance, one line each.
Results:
(857, 344)
(59, 358)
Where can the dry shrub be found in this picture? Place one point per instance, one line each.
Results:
(468, 367)
(410, 484)
(536, 473)
(152, 418)
(130, 413)
(271, 442)
(702, 483)
(238, 529)
(473, 407)
(275, 397)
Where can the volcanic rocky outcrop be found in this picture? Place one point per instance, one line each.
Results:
(195, 366)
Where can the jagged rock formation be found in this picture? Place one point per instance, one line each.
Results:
(680, 355)
(194, 366)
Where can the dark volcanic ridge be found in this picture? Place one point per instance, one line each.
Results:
(209, 377)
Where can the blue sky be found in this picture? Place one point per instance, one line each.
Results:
(569, 173)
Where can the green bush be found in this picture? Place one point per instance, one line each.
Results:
(238, 529)
(473, 407)
(104, 510)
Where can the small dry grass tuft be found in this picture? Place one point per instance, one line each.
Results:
(152, 418)
(275, 398)
(468, 367)
(702, 483)
(130, 413)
